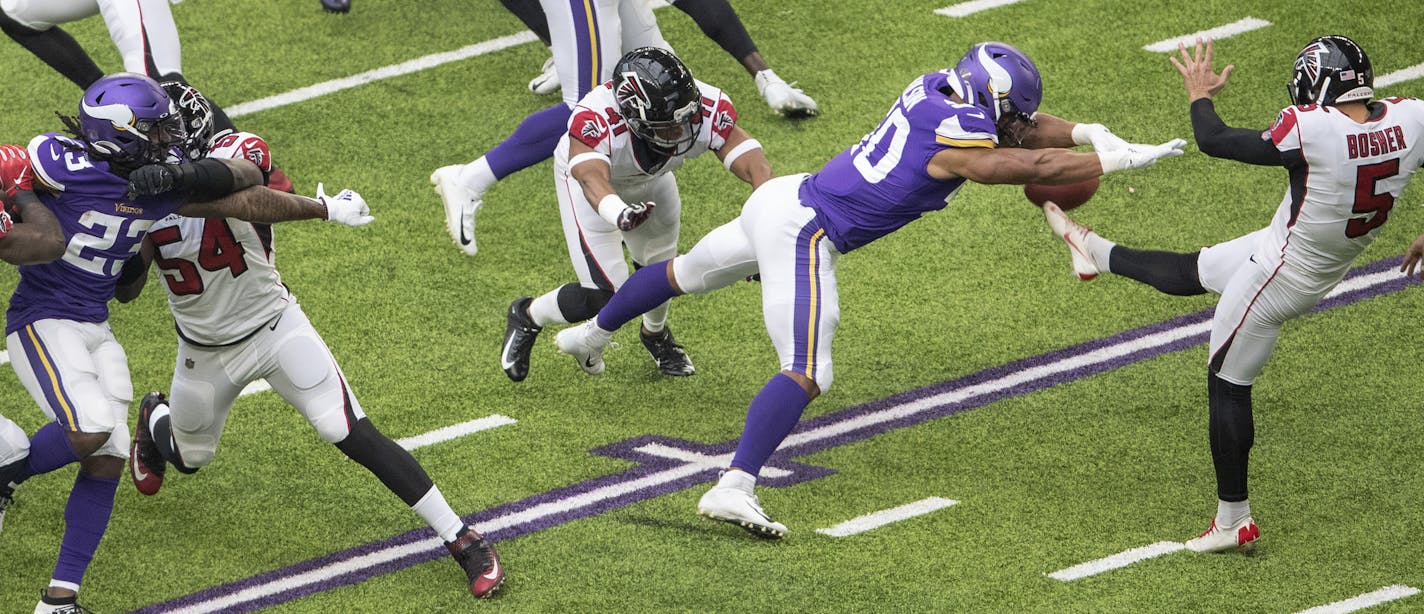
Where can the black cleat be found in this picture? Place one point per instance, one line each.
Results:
(146, 463)
(7, 497)
(59, 605)
(519, 336)
(476, 555)
(671, 359)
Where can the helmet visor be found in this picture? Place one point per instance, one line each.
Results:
(675, 135)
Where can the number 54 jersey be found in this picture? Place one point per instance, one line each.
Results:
(882, 183)
(220, 275)
(102, 227)
(1344, 179)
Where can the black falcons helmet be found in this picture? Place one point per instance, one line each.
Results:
(658, 99)
(1330, 70)
(197, 117)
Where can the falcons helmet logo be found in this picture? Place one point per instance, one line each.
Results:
(633, 95)
(1310, 58)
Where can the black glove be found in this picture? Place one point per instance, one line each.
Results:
(158, 178)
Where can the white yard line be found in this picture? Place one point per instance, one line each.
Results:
(721, 461)
(386, 72)
(454, 431)
(861, 524)
(1400, 76)
(1116, 561)
(964, 9)
(1231, 29)
(1367, 600)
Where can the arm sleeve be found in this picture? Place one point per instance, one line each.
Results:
(1218, 140)
(723, 118)
(591, 128)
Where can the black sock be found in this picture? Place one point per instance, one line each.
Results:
(577, 303)
(392, 464)
(721, 24)
(1232, 432)
(529, 12)
(167, 448)
(56, 48)
(1168, 272)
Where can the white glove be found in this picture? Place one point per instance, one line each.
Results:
(1138, 156)
(347, 207)
(1099, 137)
(623, 215)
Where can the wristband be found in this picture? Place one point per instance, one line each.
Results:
(1114, 161)
(741, 148)
(1082, 133)
(586, 156)
(610, 208)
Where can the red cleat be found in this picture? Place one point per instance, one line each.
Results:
(1220, 539)
(476, 555)
(146, 464)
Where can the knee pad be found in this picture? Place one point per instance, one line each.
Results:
(13, 443)
(196, 450)
(577, 303)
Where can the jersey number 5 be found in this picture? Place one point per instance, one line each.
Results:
(220, 250)
(1367, 201)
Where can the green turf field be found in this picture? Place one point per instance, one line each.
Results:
(1044, 481)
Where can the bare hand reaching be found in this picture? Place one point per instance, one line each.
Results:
(1198, 76)
(1412, 258)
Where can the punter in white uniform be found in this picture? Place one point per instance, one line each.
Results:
(237, 323)
(613, 172)
(1349, 158)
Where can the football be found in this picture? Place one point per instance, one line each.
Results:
(1067, 196)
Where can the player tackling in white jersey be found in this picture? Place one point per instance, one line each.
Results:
(613, 171)
(1348, 159)
(238, 323)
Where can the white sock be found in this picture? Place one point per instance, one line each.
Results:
(544, 309)
(437, 513)
(477, 176)
(1232, 513)
(1100, 249)
(597, 335)
(656, 320)
(738, 479)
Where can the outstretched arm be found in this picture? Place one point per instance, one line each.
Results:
(1213, 136)
(36, 240)
(206, 179)
(594, 173)
(742, 155)
(1048, 166)
(267, 206)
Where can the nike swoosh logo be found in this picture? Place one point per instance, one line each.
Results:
(54, 154)
(588, 362)
(494, 570)
(504, 360)
(464, 240)
(138, 472)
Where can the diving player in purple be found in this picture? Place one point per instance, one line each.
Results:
(106, 188)
(976, 122)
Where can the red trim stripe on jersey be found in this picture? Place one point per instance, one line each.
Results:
(595, 269)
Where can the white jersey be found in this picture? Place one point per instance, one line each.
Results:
(596, 122)
(1345, 177)
(220, 276)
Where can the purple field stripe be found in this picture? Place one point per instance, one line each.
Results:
(651, 465)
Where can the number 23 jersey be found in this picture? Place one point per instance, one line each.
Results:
(221, 279)
(102, 227)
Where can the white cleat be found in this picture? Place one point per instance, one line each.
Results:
(732, 500)
(1076, 236)
(461, 205)
(784, 98)
(581, 343)
(1220, 539)
(548, 80)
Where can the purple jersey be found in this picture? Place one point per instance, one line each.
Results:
(882, 183)
(102, 226)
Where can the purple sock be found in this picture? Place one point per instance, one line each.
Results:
(85, 518)
(774, 412)
(645, 289)
(532, 142)
(49, 450)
